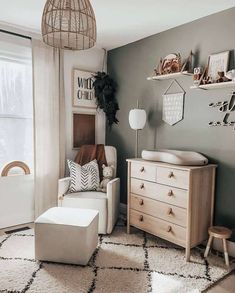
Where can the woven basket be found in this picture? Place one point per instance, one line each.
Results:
(69, 24)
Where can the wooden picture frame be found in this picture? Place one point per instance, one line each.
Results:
(83, 93)
(83, 128)
(217, 62)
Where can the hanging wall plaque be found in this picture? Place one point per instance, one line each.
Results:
(173, 105)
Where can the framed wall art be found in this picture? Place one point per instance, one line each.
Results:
(217, 63)
(84, 129)
(83, 94)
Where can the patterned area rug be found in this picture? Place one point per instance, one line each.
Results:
(121, 263)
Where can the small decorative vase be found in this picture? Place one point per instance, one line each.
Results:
(231, 74)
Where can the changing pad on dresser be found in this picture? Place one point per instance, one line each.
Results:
(184, 158)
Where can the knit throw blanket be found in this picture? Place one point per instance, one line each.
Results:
(88, 153)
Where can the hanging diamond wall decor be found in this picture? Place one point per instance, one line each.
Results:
(173, 106)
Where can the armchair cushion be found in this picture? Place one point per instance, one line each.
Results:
(87, 194)
(106, 203)
(83, 178)
(89, 200)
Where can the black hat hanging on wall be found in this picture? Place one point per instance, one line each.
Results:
(173, 105)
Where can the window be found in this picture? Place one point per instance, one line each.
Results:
(16, 102)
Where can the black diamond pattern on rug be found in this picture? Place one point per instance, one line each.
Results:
(138, 262)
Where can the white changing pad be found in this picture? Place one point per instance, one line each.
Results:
(184, 158)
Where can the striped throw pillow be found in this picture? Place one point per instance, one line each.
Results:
(83, 178)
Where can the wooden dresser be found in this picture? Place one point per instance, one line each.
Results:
(172, 202)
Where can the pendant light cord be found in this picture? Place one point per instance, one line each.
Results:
(104, 59)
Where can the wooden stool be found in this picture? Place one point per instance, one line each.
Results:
(220, 233)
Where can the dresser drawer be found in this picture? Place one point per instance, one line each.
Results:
(173, 177)
(158, 227)
(171, 195)
(143, 171)
(159, 209)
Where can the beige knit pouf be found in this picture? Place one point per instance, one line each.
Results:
(66, 235)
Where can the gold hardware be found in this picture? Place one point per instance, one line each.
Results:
(170, 193)
(171, 174)
(141, 218)
(142, 186)
(169, 229)
(141, 202)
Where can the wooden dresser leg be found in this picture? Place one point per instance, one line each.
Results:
(226, 253)
(208, 247)
(187, 254)
(128, 229)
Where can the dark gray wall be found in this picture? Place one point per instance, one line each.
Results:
(131, 64)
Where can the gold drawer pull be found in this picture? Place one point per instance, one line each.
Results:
(170, 193)
(142, 186)
(171, 174)
(169, 212)
(141, 218)
(169, 229)
(142, 169)
(141, 202)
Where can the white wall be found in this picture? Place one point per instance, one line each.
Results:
(89, 60)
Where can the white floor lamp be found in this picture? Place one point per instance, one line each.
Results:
(137, 120)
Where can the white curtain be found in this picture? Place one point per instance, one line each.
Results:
(16, 130)
(49, 124)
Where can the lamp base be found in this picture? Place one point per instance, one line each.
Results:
(136, 143)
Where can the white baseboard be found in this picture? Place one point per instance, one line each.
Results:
(123, 208)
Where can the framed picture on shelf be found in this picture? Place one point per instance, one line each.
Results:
(84, 128)
(83, 94)
(217, 63)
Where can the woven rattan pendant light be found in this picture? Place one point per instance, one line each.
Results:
(69, 24)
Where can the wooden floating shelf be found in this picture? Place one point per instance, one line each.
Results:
(170, 76)
(213, 86)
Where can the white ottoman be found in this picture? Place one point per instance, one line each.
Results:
(66, 235)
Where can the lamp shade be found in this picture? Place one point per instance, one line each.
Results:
(137, 119)
(69, 24)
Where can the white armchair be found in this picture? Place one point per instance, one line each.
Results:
(106, 203)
